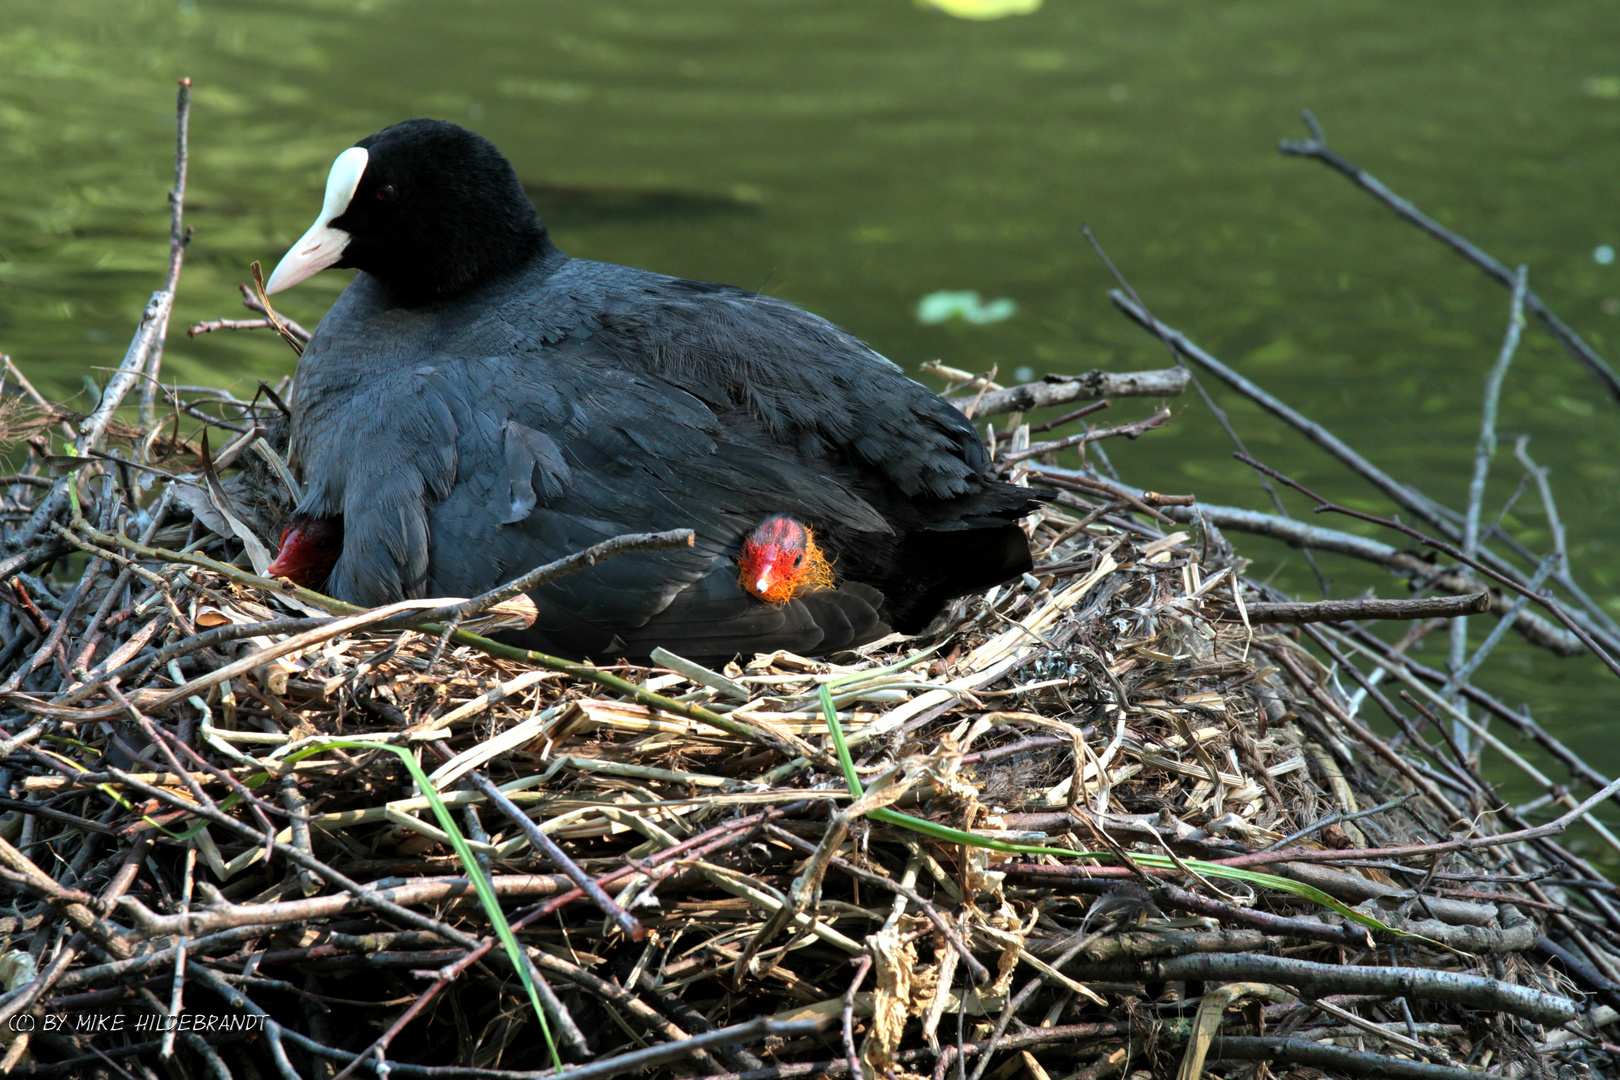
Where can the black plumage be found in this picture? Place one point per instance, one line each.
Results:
(476, 403)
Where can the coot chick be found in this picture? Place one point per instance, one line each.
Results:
(781, 560)
(477, 403)
(308, 551)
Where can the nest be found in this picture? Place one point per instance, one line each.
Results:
(1116, 818)
(1185, 852)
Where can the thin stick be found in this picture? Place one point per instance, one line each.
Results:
(1532, 627)
(229, 324)
(1538, 473)
(251, 302)
(863, 965)
(1558, 610)
(673, 540)
(552, 850)
(149, 335)
(1461, 675)
(1441, 518)
(1473, 843)
(1399, 493)
(1130, 431)
(1084, 410)
(177, 986)
(1204, 395)
(1167, 382)
(1484, 451)
(1441, 607)
(1316, 147)
(179, 236)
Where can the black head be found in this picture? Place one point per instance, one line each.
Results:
(427, 207)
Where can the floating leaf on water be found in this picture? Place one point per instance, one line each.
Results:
(982, 9)
(945, 305)
(1600, 86)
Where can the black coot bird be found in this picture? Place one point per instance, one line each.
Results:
(477, 403)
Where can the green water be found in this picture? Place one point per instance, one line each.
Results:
(856, 155)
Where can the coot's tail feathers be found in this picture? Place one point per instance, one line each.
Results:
(993, 505)
(941, 565)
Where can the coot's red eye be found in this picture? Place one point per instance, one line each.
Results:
(385, 193)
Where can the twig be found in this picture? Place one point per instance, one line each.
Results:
(1208, 399)
(1486, 446)
(1316, 147)
(673, 540)
(550, 848)
(1335, 818)
(1314, 979)
(1531, 627)
(232, 324)
(179, 236)
(726, 833)
(1403, 496)
(1538, 474)
(1485, 450)
(1473, 843)
(177, 985)
(1442, 607)
(862, 966)
(1129, 431)
(1510, 617)
(751, 1031)
(1558, 610)
(251, 302)
(149, 335)
(1324, 1055)
(1060, 389)
(1084, 410)
(1145, 503)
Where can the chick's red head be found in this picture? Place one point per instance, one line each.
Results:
(309, 549)
(780, 559)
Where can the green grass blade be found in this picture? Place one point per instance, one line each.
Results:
(949, 835)
(469, 862)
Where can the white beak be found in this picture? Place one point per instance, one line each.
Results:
(323, 245)
(761, 585)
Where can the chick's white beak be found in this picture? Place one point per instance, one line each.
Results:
(323, 245)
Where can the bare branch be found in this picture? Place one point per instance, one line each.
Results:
(1060, 389)
(1446, 607)
(1316, 147)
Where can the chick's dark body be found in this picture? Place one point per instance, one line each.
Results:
(467, 437)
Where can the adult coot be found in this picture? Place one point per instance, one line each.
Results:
(477, 403)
